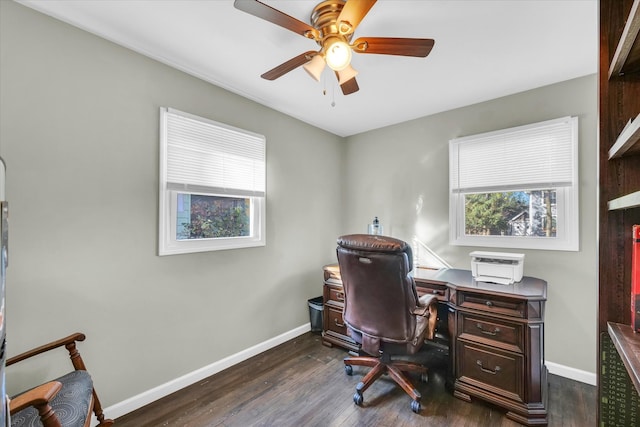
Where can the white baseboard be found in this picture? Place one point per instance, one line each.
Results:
(571, 373)
(149, 396)
(142, 399)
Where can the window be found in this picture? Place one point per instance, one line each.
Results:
(212, 185)
(516, 188)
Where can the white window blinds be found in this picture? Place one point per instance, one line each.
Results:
(206, 156)
(537, 156)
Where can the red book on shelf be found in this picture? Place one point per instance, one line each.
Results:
(635, 278)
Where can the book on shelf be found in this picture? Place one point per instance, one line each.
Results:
(635, 278)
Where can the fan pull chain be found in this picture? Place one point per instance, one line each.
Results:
(324, 90)
(324, 84)
(333, 95)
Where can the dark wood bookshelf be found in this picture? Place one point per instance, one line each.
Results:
(619, 103)
(628, 141)
(626, 202)
(619, 206)
(627, 343)
(627, 55)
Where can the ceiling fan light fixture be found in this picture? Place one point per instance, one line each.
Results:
(333, 23)
(337, 54)
(315, 67)
(346, 74)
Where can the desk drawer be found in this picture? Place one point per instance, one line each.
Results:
(497, 371)
(491, 331)
(492, 303)
(439, 290)
(332, 273)
(334, 321)
(334, 294)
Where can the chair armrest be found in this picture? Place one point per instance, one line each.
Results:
(424, 302)
(71, 339)
(36, 397)
(39, 398)
(429, 303)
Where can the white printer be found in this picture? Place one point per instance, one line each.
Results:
(497, 267)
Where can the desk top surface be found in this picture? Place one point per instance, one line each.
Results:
(528, 287)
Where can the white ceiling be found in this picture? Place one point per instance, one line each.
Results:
(483, 50)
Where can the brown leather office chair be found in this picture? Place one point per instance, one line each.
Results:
(382, 310)
(64, 402)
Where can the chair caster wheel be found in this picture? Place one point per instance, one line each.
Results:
(358, 399)
(348, 369)
(415, 406)
(424, 378)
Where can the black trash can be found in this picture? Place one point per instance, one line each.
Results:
(315, 313)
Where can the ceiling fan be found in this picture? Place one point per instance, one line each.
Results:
(333, 23)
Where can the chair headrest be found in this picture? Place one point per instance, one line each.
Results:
(372, 243)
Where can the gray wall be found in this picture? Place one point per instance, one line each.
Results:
(79, 134)
(392, 169)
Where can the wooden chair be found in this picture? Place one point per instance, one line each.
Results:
(64, 402)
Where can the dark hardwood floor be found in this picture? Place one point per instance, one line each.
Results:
(303, 383)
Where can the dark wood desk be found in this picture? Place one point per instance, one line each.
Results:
(495, 335)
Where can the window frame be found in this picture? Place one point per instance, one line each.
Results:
(168, 243)
(567, 199)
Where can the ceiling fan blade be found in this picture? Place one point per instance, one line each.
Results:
(394, 46)
(348, 87)
(268, 13)
(289, 65)
(352, 14)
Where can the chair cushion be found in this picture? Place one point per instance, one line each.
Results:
(71, 404)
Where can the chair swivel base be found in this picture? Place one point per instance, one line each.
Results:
(384, 365)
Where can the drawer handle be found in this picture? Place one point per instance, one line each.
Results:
(340, 296)
(495, 331)
(488, 371)
(435, 292)
(338, 324)
(489, 304)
